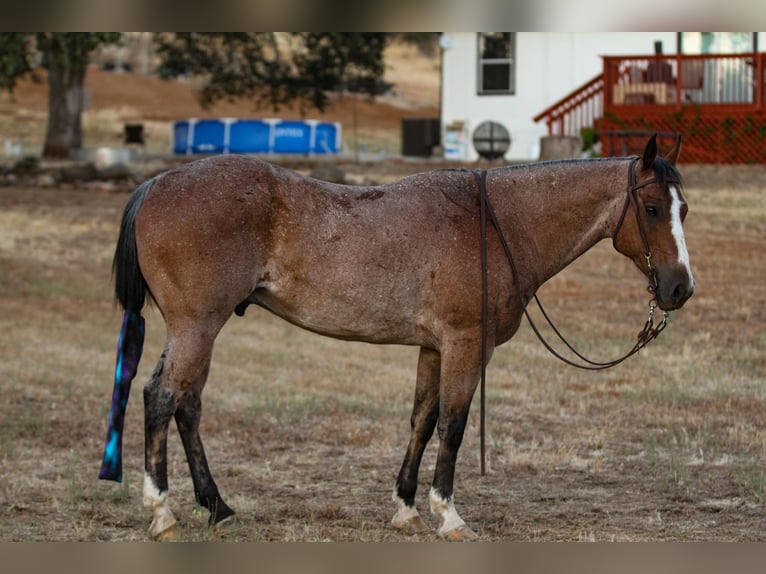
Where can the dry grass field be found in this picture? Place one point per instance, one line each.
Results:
(305, 434)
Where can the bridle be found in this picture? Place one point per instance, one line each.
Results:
(631, 198)
(649, 332)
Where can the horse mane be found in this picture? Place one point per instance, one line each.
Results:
(664, 171)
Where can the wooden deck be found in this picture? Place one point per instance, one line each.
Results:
(717, 102)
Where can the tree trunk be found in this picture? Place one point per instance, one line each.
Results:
(76, 102)
(66, 77)
(58, 138)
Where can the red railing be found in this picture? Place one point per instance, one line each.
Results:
(578, 110)
(734, 80)
(717, 101)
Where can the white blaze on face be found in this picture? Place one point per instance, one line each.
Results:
(678, 232)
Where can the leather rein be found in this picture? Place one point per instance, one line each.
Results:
(649, 332)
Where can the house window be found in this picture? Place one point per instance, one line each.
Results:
(717, 42)
(497, 70)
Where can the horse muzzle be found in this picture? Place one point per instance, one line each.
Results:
(673, 289)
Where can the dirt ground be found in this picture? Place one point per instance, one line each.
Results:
(305, 434)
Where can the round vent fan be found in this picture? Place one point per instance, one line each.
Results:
(491, 140)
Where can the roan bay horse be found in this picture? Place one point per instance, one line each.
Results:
(396, 263)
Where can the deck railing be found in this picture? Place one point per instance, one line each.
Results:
(578, 110)
(734, 80)
(716, 101)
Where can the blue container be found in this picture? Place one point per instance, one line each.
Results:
(291, 137)
(326, 138)
(209, 136)
(227, 135)
(249, 136)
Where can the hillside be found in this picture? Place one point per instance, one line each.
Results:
(115, 99)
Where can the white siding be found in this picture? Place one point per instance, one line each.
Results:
(549, 65)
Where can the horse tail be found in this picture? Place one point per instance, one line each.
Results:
(130, 287)
(131, 292)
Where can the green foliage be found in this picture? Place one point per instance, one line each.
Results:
(69, 51)
(589, 138)
(15, 58)
(62, 50)
(275, 69)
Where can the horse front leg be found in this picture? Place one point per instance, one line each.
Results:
(460, 372)
(425, 413)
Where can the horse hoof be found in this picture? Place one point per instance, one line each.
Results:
(460, 534)
(220, 513)
(168, 534)
(226, 521)
(413, 525)
(226, 525)
(226, 528)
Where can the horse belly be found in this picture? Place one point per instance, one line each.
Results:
(350, 315)
(346, 296)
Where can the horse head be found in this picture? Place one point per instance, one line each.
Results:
(654, 238)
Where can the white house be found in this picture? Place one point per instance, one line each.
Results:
(510, 77)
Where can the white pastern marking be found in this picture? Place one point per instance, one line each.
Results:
(678, 232)
(152, 495)
(162, 517)
(445, 509)
(404, 514)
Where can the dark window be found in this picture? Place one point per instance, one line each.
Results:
(496, 63)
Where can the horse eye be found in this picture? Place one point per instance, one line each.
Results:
(651, 210)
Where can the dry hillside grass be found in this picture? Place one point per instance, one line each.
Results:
(116, 99)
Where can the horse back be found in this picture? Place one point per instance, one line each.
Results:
(374, 263)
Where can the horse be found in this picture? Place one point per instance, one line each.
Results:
(397, 263)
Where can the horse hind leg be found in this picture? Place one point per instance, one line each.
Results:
(174, 391)
(425, 413)
(187, 417)
(159, 406)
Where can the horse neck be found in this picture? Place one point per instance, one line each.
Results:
(561, 210)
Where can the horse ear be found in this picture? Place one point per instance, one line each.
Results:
(672, 155)
(650, 153)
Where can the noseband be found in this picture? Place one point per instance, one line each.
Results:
(647, 334)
